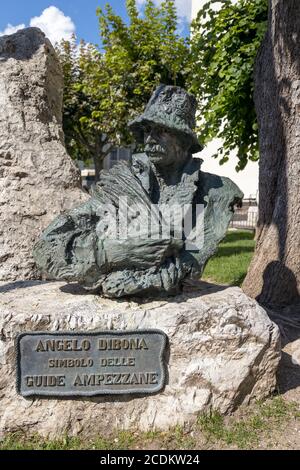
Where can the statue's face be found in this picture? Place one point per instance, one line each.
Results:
(164, 148)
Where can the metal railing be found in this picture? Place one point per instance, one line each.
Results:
(246, 217)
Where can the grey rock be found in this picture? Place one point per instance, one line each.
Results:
(224, 353)
(80, 246)
(38, 179)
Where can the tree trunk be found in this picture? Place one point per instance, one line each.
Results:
(274, 274)
(98, 162)
(101, 149)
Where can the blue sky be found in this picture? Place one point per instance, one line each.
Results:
(59, 18)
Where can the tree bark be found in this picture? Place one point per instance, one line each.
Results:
(101, 149)
(98, 163)
(274, 274)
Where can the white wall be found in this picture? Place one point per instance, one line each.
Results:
(247, 180)
(196, 5)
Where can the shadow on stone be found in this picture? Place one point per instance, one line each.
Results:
(280, 279)
(288, 321)
(192, 288)
(20, 285)
(288, 374)
(74, 289)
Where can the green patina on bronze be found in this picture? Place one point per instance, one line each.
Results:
(77, 246)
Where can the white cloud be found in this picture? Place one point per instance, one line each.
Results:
(54, 24)
(10, 29)
(140, 3)
(184, 8)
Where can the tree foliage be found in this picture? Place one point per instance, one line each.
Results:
(78, 106)
(104, 89)
(224, 45)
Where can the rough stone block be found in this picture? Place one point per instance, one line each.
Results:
(38, 179)
(223, 352)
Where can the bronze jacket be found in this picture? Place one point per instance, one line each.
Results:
(85, 246)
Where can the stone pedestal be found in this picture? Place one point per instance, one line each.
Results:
(223, 352)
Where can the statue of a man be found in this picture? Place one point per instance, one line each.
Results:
(81, 245)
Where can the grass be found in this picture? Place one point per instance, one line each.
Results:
(249, 431)
(176, 438)
(121, 441)
(251, 427)
(230, 264)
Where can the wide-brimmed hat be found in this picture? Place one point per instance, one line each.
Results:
(170, 107)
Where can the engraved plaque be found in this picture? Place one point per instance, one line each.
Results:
(90, 363)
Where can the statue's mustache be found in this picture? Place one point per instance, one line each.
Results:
(154, 148)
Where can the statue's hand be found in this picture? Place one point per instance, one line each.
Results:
(141, 253)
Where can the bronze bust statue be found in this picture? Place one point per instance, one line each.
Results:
(88, 244)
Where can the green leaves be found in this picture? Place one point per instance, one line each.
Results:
(105, 89)
(224, 45)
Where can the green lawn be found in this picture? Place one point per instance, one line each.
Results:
(230, 263)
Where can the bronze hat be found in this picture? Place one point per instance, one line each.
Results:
(172, 108)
